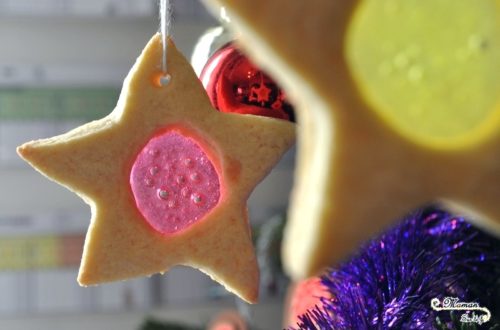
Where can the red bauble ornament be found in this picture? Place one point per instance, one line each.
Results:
(234, 84)
(303, 296)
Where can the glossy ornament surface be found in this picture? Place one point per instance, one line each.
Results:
(234, 84)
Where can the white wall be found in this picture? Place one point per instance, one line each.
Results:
(77, 40)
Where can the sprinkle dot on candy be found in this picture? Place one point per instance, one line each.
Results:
(174, 183)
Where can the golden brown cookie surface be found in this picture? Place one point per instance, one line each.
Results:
(96, 160)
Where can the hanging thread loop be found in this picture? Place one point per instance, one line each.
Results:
(165, 23)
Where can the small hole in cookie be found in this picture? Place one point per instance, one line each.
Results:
(161, 79)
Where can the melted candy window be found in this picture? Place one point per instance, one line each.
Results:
(174, 182)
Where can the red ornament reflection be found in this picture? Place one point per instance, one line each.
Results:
(236, 85)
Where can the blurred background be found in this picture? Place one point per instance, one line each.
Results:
(62, 63)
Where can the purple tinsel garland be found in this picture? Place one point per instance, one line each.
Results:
(390, 283)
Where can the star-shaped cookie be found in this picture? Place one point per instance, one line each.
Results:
(397, 106)
(167, 178)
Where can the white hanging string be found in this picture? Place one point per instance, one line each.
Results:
(165, 22)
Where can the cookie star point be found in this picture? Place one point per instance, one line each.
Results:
(169, 177)
(359, 166)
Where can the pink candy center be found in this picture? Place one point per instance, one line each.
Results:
(173, 182)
